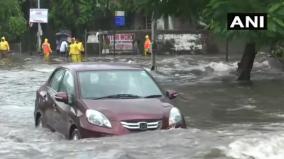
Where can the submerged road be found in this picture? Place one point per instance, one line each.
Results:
(226, 119)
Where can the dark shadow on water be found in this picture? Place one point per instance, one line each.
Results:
(245, 83)
(11, 62)
(209, 105)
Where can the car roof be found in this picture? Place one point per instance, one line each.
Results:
(101, 66)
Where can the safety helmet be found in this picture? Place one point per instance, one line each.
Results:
(2, 38)
(45, 40)
(147, 36)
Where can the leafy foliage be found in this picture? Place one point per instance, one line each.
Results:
(215, 11)
(190, 9)
(12, 22)
(17, 25)
(78, 15)
(278, 51)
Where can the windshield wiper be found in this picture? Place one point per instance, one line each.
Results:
(119, 96)
(153, 96)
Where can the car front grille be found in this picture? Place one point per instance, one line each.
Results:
(141, 125)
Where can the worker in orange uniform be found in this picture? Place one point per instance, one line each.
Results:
(46, 50)
(74, 51)
(4, 47)
(147, 45)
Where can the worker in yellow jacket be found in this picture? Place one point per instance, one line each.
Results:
(74, 51)
(82, 50)
(4, 47)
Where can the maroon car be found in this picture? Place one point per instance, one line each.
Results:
(96, 100)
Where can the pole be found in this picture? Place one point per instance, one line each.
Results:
(114, 27)
(39, 31)
(153, 54)
(114, 33)
(20, 48)
(100, 47)
(85, 38)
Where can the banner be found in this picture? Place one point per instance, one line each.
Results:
(38, 16)
(123, 42)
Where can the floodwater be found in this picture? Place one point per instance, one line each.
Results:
(226, 119)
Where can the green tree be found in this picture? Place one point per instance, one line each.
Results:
(78, 15)
(188, 9)
(215, 16)
(70, 14)
(213, 13)
(12, 22)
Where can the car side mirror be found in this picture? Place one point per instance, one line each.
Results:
(171, 94)
(61, 97)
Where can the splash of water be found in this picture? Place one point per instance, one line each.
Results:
(260, 147)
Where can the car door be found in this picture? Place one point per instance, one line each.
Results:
(52, 89)
(64, 110)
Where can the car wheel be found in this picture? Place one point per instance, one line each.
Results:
(75, 135)
(39, 122)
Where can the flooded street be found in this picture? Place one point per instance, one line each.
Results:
(226, 119)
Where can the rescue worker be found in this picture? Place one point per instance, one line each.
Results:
(74, 51)
(46, 50)
(4, 47)
(147, 46)
(82, 50)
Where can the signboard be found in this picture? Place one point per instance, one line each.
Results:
(119, 18)
(93, 38)
(38, 16)
(181, 42)
(123, 42)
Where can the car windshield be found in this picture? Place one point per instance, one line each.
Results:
(117, 84)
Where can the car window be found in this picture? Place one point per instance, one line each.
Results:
(67, 84)
(96, 84)
(56, 79)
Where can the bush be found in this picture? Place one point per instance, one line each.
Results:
(278, 51)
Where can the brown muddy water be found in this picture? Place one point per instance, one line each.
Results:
(226, 119)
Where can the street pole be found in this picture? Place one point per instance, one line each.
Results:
(39, 31)
(114, 34)
(153, 32)
(86, 40)
(20, 48)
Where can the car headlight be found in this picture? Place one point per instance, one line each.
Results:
(97, 118)
(175, 117)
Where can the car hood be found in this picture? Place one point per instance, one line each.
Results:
(130, 109)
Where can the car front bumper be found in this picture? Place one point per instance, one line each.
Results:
(89, 130)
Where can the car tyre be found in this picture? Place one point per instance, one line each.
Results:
(40, 122)
(75, 135)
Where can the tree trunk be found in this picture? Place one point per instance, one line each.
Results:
(245, 66)
(227, 50)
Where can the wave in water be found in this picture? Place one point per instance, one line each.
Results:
(261, 147)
